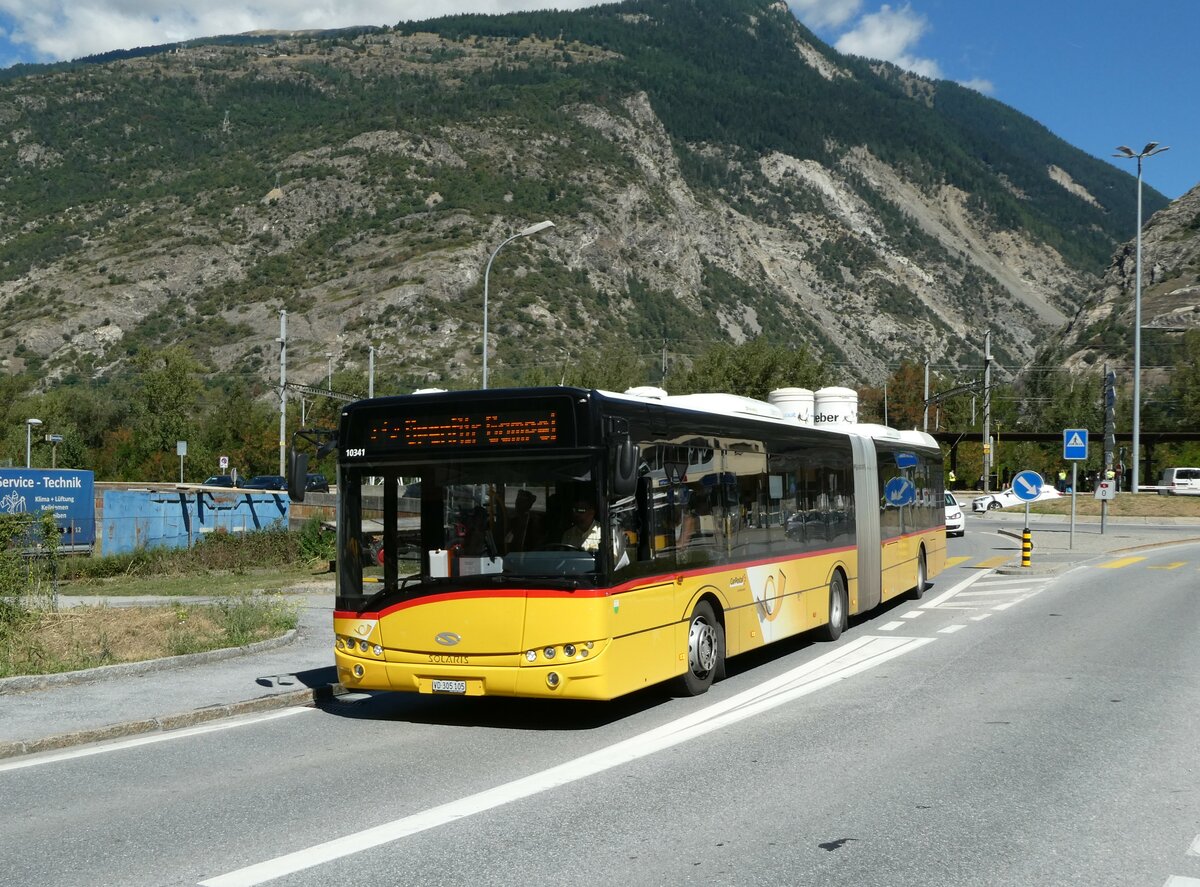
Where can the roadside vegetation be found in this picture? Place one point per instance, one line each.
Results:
(244, 580)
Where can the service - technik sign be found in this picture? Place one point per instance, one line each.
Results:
(69, 494)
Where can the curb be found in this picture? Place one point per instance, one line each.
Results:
(308, 696)
(27, 683)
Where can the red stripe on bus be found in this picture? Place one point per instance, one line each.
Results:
(623, 588)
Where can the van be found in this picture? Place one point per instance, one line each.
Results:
(1179, 482)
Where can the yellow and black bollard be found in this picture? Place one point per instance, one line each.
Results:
(1026, 546)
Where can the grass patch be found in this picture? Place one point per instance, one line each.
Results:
(50, 642)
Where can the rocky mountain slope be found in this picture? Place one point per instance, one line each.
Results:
(1103, 328)
(714, 173)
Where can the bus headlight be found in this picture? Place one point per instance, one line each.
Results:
(569, 650)
(531, 655)
(552, 680)
(549, 652)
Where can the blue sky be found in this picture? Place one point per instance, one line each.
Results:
(1098, 73)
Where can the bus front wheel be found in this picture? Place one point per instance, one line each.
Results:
(838, 609)
(705, 653)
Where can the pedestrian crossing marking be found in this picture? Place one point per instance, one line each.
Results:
(955, 561)
(1172, 566)
(1121, 562)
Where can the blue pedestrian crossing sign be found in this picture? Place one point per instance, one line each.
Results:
(1075, 444)
(1026, 485)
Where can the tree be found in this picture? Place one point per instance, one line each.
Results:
(165, 408)
(753, 369)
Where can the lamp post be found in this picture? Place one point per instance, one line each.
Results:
(329, 377)
(524, 232)
(1127, 153)
(29, 425)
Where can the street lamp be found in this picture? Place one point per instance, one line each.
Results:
(1127, 153)
(329, 357)
(29, 424)
(524, 232)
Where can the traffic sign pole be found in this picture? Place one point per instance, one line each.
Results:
(1074, 487)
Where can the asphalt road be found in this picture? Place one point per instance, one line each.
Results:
(1005, 730)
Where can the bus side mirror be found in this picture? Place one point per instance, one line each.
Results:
(297, 475)
(625, 462)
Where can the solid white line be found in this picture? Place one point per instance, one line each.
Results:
(837, 665)
(950, 629)
(121, 745)
(946, 595)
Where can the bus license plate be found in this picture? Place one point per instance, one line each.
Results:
(444, 686)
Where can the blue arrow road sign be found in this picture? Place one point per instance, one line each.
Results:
(1026, 485)
(1075, 444)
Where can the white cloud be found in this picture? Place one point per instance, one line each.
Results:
(56, 30)
(825, 13)
(979, 85)
(891, 34)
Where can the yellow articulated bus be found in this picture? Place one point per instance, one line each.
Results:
(576, 544)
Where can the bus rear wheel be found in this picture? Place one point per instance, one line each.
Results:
(706, 651)
(838, 609)
(918, 591)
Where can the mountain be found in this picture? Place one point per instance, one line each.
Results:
(1103, 328)
(714, 172)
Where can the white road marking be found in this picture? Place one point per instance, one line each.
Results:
(912, 614)
(994, 592)
(950, 629)
(121, 745)
(1005, 606)
(949, 593)
(837, 665)
(979, 617)
(1181, 881)
(892, 626)
(1194, 850)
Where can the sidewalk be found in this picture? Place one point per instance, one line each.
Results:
(57, 711)
(40, 714)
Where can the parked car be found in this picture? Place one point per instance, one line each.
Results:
(265, 482)
(316, 483)
(1179, 482)
(219, 480)
(956, 522)
(1007, 498)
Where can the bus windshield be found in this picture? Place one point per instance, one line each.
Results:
(472, 521)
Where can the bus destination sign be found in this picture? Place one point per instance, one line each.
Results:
(467, 428)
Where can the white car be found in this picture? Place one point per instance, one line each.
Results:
(1007, 498)
(956, 522)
